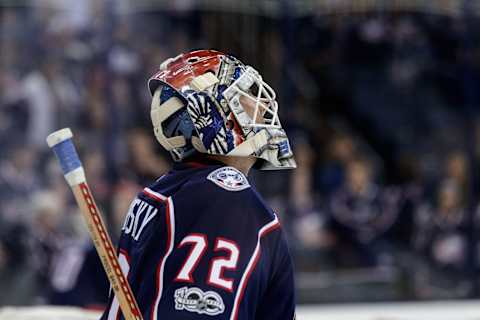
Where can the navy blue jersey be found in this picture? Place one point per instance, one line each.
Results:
(200, 243)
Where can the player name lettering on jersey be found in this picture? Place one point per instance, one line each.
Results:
(138, 216)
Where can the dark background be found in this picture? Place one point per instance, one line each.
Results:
(380, 100)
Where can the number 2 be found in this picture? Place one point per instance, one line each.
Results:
(215, 277)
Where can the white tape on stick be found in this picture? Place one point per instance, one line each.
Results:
(59, 136)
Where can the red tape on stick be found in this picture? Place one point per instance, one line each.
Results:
(107, 244)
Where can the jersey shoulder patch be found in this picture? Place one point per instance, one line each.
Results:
(229, 178)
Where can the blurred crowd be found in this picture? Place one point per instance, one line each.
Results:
(381, 109)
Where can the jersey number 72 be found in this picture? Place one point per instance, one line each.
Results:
(199, 244)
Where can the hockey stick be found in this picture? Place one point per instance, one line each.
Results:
(61, 143)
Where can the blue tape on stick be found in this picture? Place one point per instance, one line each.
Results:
(67, 156)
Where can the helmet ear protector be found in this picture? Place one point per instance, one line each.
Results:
(208, 102)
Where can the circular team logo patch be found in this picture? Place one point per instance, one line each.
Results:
(229, 178)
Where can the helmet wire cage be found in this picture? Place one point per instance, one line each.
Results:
(251, 86)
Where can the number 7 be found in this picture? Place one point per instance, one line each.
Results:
(199, 245)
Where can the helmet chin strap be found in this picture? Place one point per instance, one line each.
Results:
(259, 146)
(161, 112)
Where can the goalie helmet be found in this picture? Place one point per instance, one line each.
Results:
(208, 102)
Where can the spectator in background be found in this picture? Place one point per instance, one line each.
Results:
(362, 211)
(301, 188)
(123, 59)
(314, 242)
(440, 236)
(48, 236)
(16, 277)
(52, 100)
(18, 179)
(14, 115)
(95, 165)
(441, 227)
(457, 171)
(67, 268)
(411, 53)
(95, 120)
(341, 151)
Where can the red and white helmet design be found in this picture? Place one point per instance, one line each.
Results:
(209, 102)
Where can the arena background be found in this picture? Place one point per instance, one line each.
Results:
(381, 101)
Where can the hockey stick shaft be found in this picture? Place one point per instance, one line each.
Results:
(61, 143)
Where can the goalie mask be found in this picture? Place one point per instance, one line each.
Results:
(209, 102)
